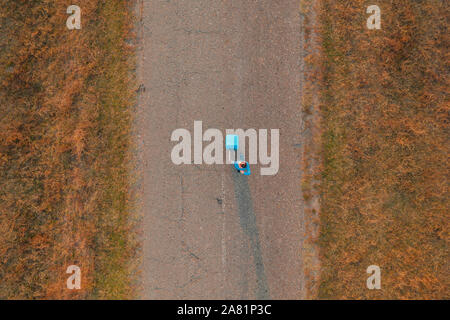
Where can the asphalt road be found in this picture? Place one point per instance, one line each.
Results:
(209, 232)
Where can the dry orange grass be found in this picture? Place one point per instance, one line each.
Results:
(385, 111)
(64, 119)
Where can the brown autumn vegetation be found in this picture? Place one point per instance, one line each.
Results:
(64, 118)
(384, 114)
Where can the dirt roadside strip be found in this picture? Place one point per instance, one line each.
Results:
(208, 233)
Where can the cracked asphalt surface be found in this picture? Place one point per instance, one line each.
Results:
(208, 232)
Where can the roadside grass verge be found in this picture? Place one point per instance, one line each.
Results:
(65, 113)
(384, 114)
